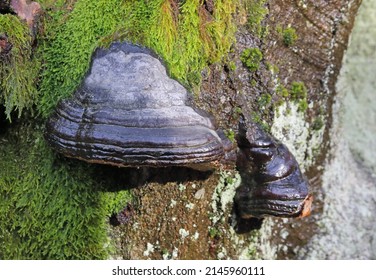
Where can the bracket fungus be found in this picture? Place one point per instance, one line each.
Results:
(129, 112)
(279, 188)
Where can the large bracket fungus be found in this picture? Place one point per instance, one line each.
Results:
(128, 112)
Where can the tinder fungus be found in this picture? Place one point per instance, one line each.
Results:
(129, 112)
(278, 187)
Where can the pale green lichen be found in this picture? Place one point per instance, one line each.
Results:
(222, 203)
(189, 206)
(183, 233)
(195, 236)
(173, 203)
(302, 138)
(224, 194)
(149, 249)
(182, 187)
(166, 255)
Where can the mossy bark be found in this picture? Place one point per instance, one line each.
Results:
(307, 70)
(180, 213)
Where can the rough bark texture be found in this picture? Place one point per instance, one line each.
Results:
(347, 224)
(191, 217)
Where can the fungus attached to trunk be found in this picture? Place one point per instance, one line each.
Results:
(278, 187)
(128, 112)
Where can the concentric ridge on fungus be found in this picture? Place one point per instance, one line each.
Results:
(128, 112)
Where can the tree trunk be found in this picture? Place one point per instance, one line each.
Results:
(280, 72)
(192, 218)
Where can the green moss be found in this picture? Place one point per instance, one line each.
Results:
(214, 233)
(282, 91)
(69, 45)
(272, 68)
(279, 102)
(318, 123)
(237, 111)
(298, 93)
(231, 66)
(230, 134)
(303, 105)
(256, 13)
(298, 90)
(50, 208)
(289, 36)
(184, 36)
(256, 118)
(251, 58)
(18, 70)
(264, 100)
(194, 40)
(114, 202)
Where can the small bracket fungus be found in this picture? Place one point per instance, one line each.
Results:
(279, 188)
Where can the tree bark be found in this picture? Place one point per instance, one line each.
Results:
(280, 73)
(190, 216)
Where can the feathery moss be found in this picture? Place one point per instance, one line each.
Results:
(257, 11)
(186, 36)
(289, 36)
(18, 70)
(251, 58)
(67, 54)
(50, 208)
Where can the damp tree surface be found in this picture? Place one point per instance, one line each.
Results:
(274, 62)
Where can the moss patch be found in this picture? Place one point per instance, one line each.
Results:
(50, 208)
(186, 36)
(251, 58)
(289, 36)
(18, 70)
(69, 43)
(298, 93)
(256, 14)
